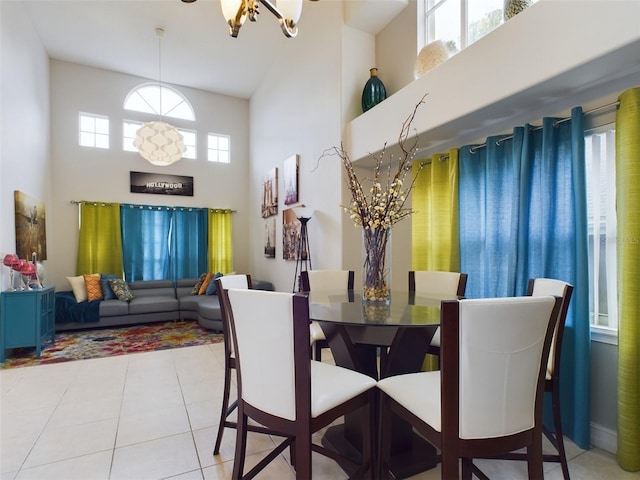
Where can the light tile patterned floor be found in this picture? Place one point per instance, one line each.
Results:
(154, 416)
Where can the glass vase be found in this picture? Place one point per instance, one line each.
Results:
(376, 265)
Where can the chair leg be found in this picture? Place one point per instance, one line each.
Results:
(318, 349)
(557, 424)
(224, 411)
(384, 432)
(467, 468)
(241, 445)
(534, 459)
(303, 456)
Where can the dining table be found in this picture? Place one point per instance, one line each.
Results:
(379, 340)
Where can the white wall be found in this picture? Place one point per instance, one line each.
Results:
(297, 110)
(24, 123)
(81, 173)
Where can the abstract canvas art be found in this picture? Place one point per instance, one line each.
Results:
(31, 232)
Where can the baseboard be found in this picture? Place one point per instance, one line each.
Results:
(604, 438)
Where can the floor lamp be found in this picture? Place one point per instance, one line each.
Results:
(303, 254)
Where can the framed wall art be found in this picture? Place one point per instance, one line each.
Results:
(290, 234)
(270, 194)
(270, 237)
(160, 184)
(31, 232)
(291, 180)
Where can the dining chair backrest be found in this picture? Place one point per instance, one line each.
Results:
(265, 351)
(325, 280)
(498, 350)
(235, 281)
(551, 286)
(438, 284)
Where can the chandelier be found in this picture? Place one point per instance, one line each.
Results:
(158, 142)
(235, 12)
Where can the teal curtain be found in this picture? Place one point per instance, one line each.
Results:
(145, 246)
(523, 215)
(188, 244)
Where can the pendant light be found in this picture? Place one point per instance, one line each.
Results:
(159, 142)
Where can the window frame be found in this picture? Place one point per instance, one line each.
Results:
(602, 333)
(93, 132)
(217, 137)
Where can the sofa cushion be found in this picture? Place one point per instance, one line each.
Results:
(196, 287)
(113, 308)
(106, 288)
(151, 304)
(121, 289)
(205, 284)
(79, 288)
(94, 289)
(212, 289)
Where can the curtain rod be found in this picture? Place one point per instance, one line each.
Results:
(78, 202)
(555, 124)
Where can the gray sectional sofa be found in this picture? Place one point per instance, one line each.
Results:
(155, 301)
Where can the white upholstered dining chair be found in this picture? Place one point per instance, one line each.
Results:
(242, 281)
(324, 281)
(487, 397)
(281, 388)
(437, 284)
(564, 290)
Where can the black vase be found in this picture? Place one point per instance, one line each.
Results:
(374, 91)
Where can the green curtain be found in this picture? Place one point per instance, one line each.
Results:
(434, 235)
(220, 249)
(628, 217)
(99, 243)
(435, 239)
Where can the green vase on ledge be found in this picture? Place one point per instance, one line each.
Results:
(374, 91)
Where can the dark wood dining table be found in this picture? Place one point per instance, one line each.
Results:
(380, 341)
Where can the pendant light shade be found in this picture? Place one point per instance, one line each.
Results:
(290, 9)
(235, 13)
(159, 143)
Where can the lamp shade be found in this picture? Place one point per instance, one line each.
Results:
(290, 9)
(28, 269)
(10, 259)
(430, 57)
(159, 143)
(303, 212)
(230, 9)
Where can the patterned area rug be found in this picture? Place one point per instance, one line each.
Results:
(105, 342)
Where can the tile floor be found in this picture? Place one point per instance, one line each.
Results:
(154, 416)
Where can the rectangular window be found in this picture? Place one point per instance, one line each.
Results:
(458, 23)
(129, 129)
(218, 148)
(94, 131)
(189, 138)
(601, 212)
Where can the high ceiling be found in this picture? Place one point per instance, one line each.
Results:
(197, 50)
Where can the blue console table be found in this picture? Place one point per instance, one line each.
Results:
(27, 319)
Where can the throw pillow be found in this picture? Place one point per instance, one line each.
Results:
(79, 288)
(212, 289)
(121, 289)
(205, 284)
(196, 287)
(106, 288)
(94, 289)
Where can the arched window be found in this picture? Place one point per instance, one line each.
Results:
(147, 98)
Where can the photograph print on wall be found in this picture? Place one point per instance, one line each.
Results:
(270, 237)
(291, 180)
(270, 194)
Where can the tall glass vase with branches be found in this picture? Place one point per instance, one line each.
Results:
(378, 203)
